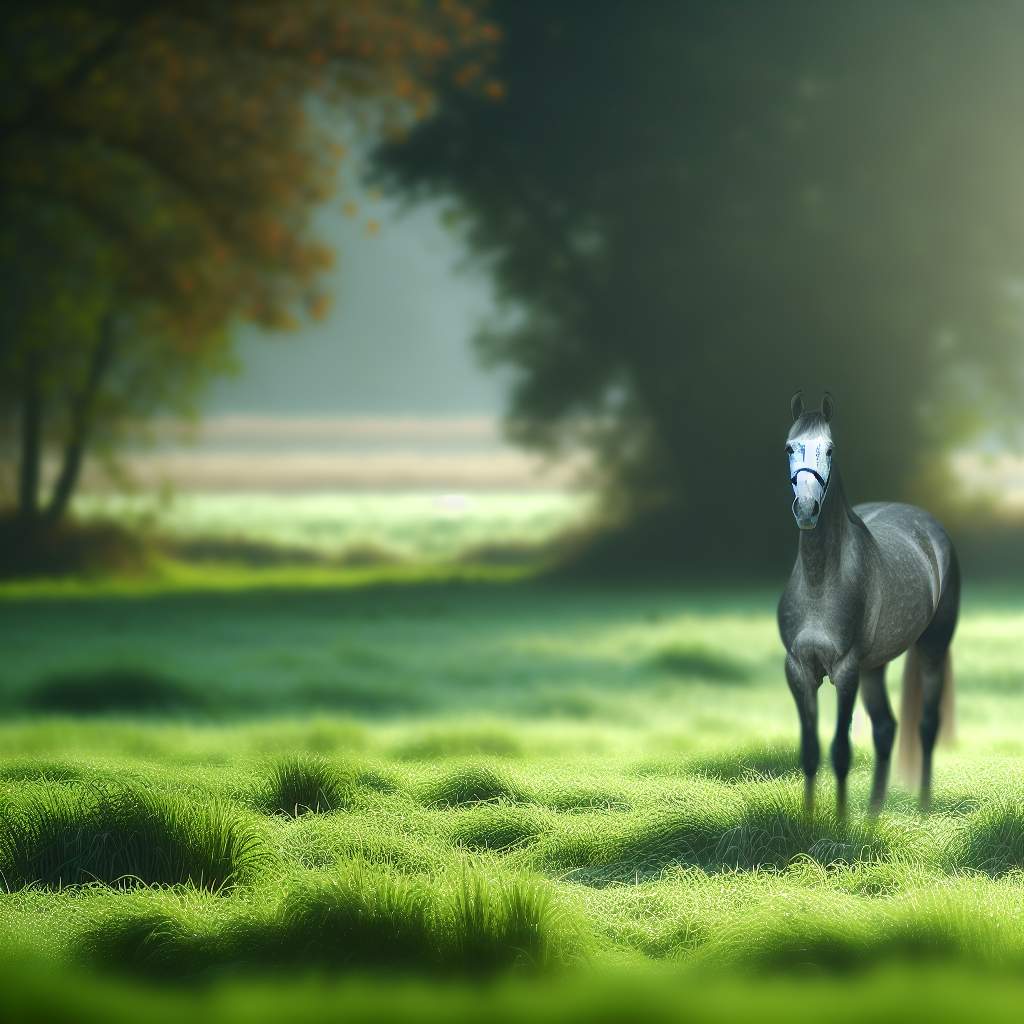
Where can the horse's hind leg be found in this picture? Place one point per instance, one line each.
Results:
(932, 649)
(883, 731)
(932, 679)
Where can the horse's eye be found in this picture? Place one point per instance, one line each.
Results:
(789, 449)
(828, 454)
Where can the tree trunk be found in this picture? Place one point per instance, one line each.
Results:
(31, 440)
(80, 428)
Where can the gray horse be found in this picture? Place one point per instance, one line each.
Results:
(869, 583)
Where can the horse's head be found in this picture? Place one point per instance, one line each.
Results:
(809, 450)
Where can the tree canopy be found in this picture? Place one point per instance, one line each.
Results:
(694, 209)
(160, 163)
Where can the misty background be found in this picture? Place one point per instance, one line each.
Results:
(591, 249)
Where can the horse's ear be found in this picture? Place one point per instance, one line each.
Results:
(797, 405)
(828, 406)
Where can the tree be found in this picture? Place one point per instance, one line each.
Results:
(697, 208)
(160, 162)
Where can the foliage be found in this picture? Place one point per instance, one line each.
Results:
(692, 210)
(160, 163)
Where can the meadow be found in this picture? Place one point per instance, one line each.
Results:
(285, 795)
(356, 526)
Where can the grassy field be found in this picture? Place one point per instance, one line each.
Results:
(232, 787)
(424, 527)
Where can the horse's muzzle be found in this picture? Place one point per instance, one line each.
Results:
(807, 503)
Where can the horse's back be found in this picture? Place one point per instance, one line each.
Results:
(913, 544)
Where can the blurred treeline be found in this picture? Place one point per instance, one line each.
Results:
(161, 160)
(693, 209)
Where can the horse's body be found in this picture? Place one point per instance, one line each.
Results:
(869, 583)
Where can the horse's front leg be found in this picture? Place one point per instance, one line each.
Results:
(883, 731)
(804, 686)
(846, 680)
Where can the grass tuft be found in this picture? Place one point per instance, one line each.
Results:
(472, 783)
(58, 836)
(499, 924)
(767, 761)
(359, 918)
(496, 827)
(304, 784)
(992, 839)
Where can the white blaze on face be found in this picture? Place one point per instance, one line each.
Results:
(810, 464)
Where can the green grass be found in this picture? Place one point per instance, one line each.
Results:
(368, 527)
(58, 835)
(114, 690)
(472, 783)
(469, 823)
(360, 917)
(304, 784)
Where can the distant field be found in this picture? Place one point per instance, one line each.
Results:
(413, 525)
(457, 779)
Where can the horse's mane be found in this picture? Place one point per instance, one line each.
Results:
(808, 422)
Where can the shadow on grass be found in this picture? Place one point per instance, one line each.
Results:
(113, 690)
(435, 744)
(41, 770)
(359, 918)
(991, 840)
(768, 832)
(55, 836)
(838, 949)
(767, 761)
(363, 699)
(698, 662)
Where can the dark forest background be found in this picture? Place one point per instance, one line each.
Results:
(694, 209)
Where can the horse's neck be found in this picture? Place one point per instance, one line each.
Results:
(821, 549)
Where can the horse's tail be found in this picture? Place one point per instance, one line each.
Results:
(910, 714)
